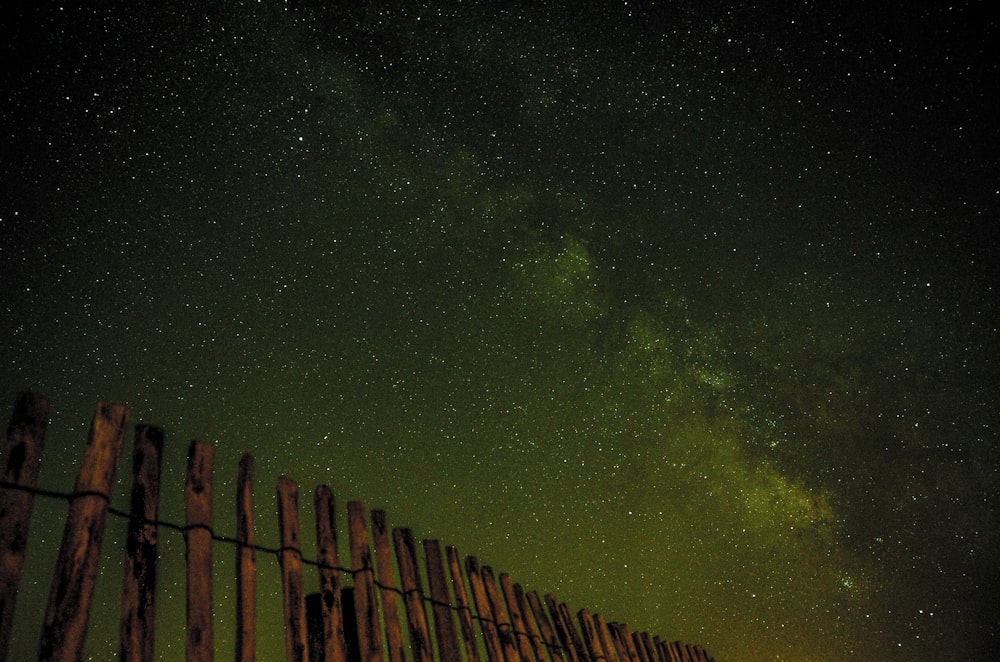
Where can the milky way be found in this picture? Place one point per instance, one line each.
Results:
(683, 315)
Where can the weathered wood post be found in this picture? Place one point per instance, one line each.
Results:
(519, 631)
(504, 628)
(137, 631)
(290, 558)
(487, 622)
(548, 633)
(531, 629)
(444, 625)
(198, 536)
(65, 626)
(610, 647)
(590, 636)
(25, 441)
(365, 605)
(387, 588)
(413, 595)
(331, 600)
(462, 603)
(246, 565)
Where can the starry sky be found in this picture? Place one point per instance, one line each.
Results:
(683, 312)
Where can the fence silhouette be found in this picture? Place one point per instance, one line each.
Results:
(360, 622)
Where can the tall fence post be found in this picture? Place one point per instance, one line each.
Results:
(290, 558)
(65, 626)
(331, 600)
(136, 635)
(198, 534)
(25, 442)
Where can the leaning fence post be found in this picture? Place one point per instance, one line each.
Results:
(290, 558)
(25, 441)
(519, 631)
(413, 595)
(462, 603)
(548, 633)
(65, 626)
(487, 623)
(504, 628)
(136, 634)
(198, 535)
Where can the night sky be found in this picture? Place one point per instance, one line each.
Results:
(683, 313)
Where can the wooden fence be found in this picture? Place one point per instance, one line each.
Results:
(360, 622)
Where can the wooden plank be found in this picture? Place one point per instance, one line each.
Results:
(198, 536)
(611, 649)
(563, 623)
(365, 605)
(500, 616)
(531, 629)
(621, 637)
(246, 565)
(444, 623)
(590, 636)
(137, 631)
(25, 443)
(334, 644)
(659, 650)
(413, 595)
(549, 636)
(487, 623)
(518, 629)
(462, 603)
(290, 559)
(387, 588)
(65, 626)
(644, 644)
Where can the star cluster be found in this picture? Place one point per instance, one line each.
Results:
(683, 314)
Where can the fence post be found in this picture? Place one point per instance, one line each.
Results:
(413, 595)
(532, 632)
(65, 626)
(462, 603)
(198, 536)
(365, 606)
(591, 637)
(444, 625)
(562, 615)
(487, 622)
(387, 582)
(519, 631)
(246, 565)
(611, 649)
(548, 633)
(25, 441)
(290, 558)
(138, 621)
(500, 616)
(334, 644)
